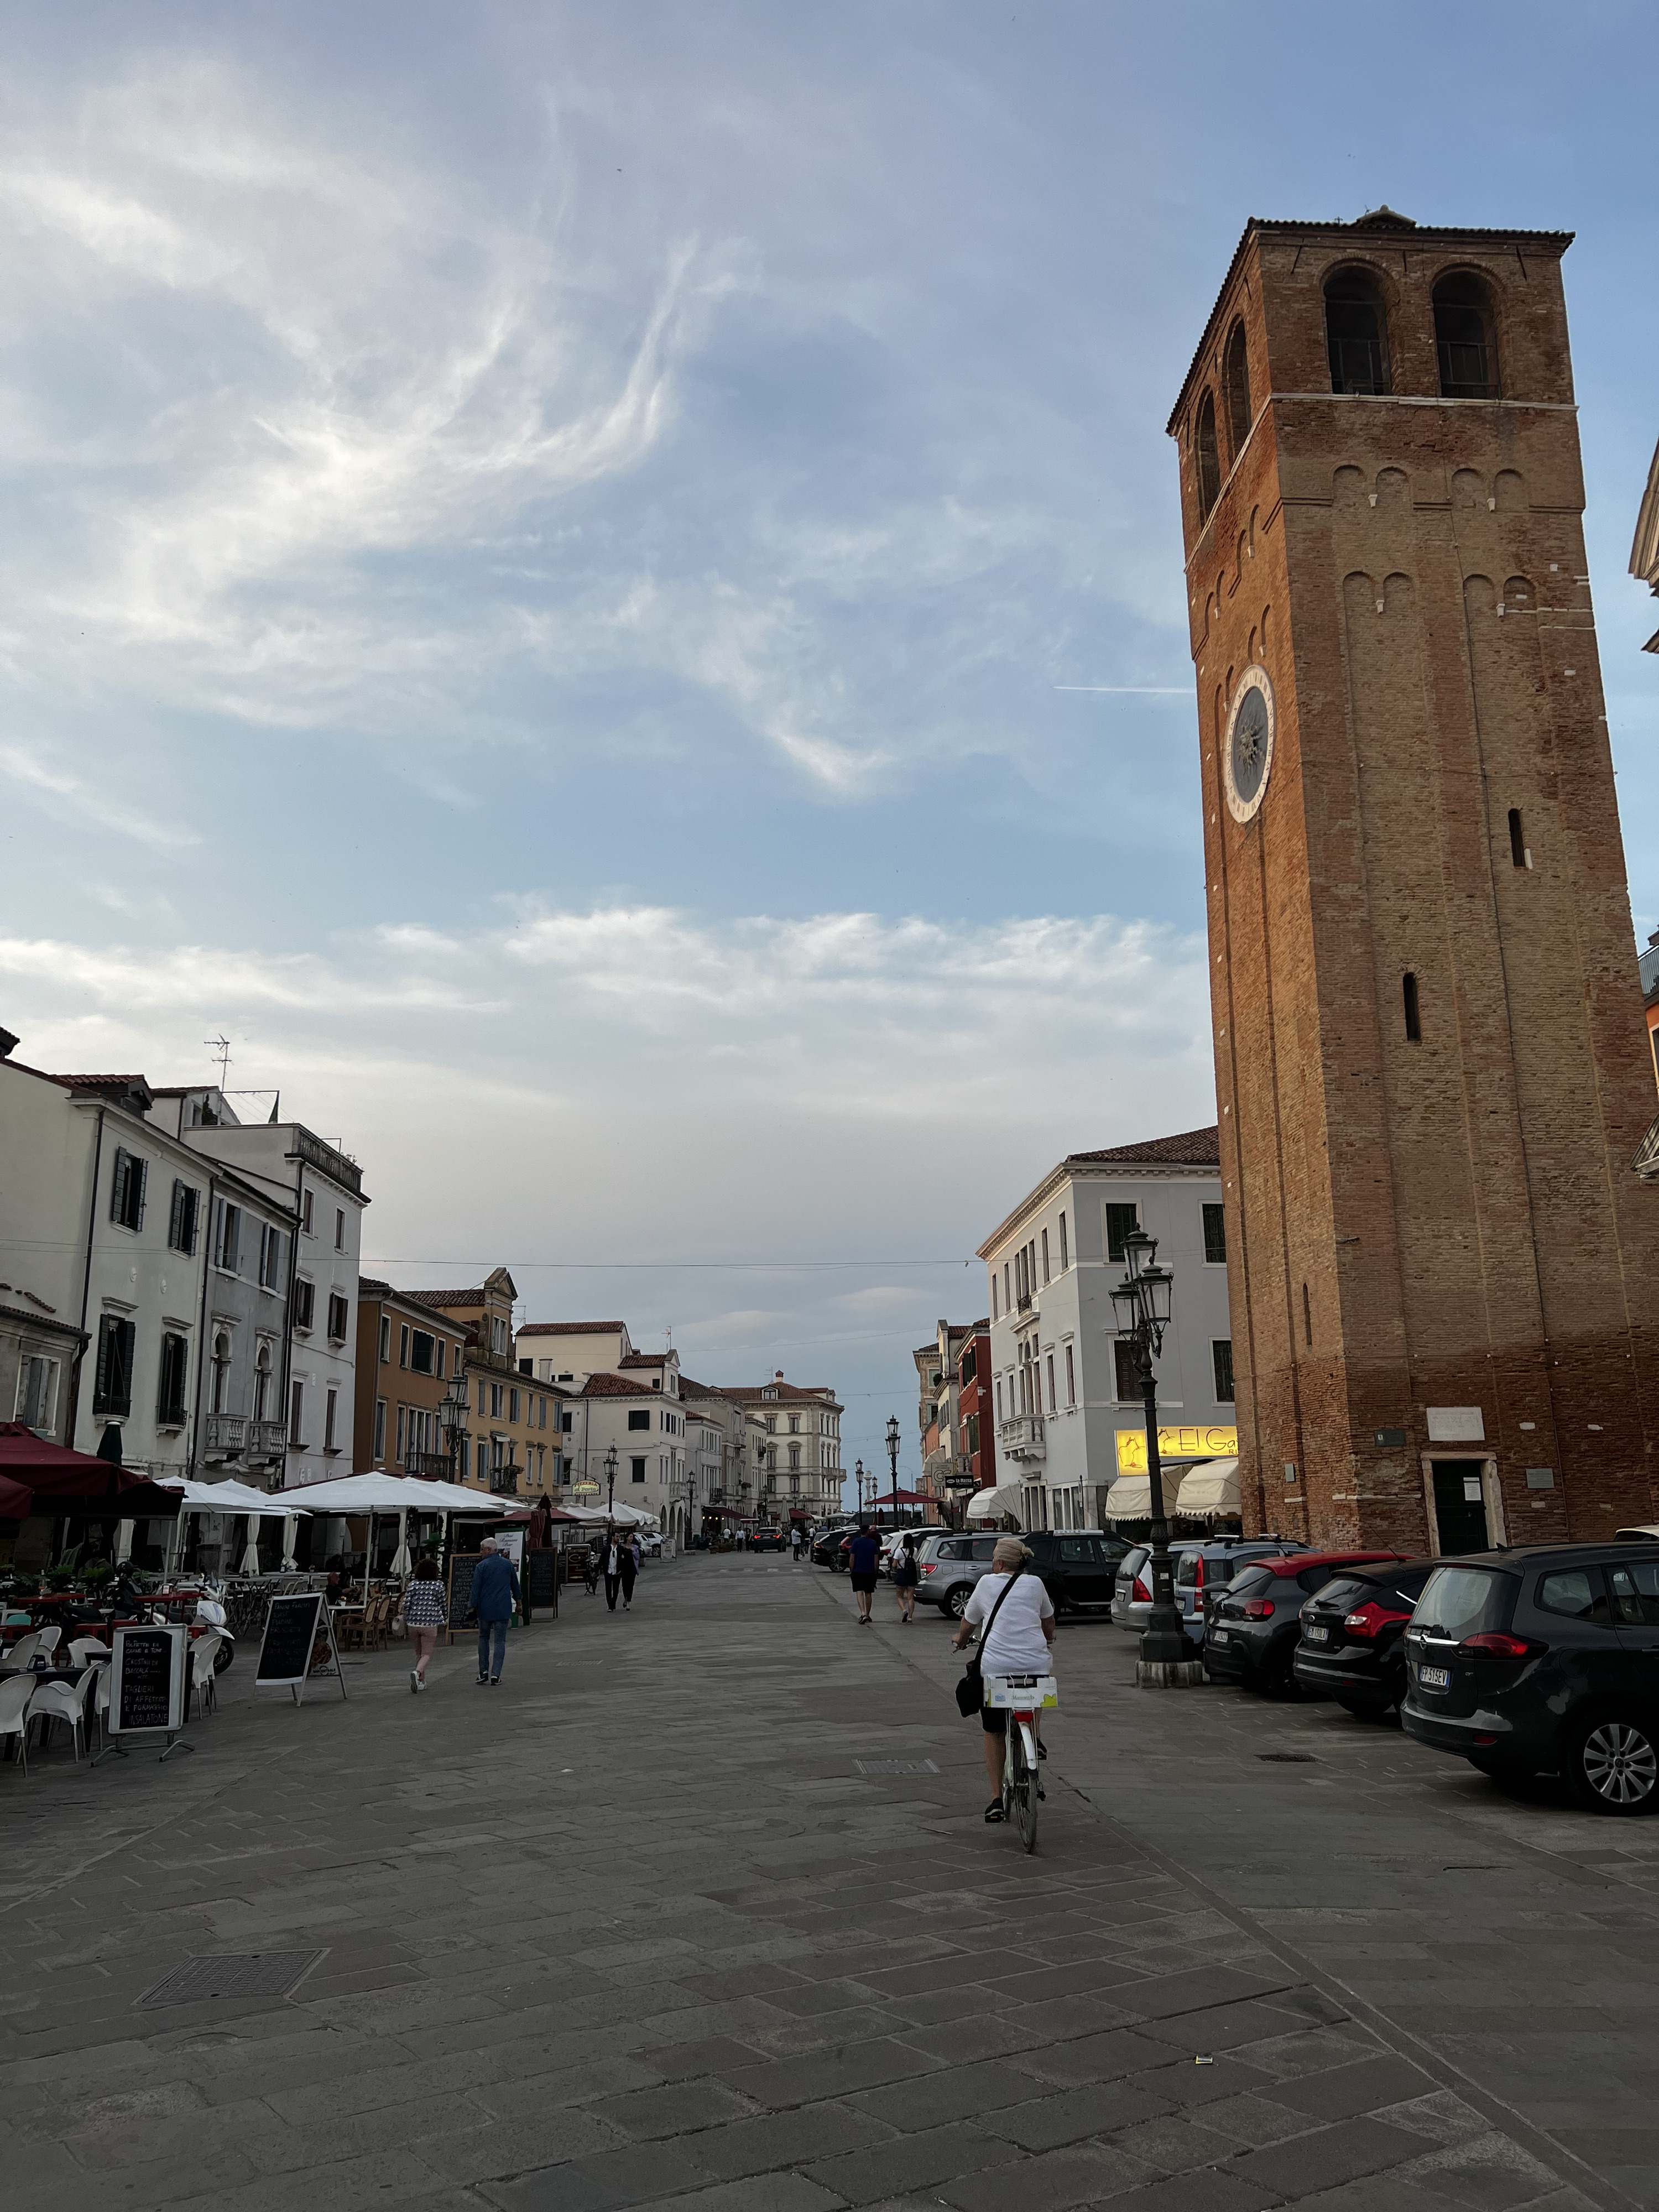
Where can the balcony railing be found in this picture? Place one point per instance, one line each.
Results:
(237, 1436)
(1022, 1438)
(436, 1465)
(504, 1481)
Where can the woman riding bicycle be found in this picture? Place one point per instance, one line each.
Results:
(1019, 1644)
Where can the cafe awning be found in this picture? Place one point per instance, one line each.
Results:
(1209, 1492)
(1130, 1498)
(65, 1481)
(1002, 1503)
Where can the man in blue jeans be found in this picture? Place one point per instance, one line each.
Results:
(495, 1595)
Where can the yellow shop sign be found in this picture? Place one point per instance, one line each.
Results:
(1173, 1444)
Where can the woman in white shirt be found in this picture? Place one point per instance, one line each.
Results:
(1019, 1644)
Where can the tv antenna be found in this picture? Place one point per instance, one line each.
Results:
(220, 1048)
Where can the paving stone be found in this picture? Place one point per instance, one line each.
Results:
(957, 2093)
(830, 2074)
(1327, 2156)
(639, 2174)
(804, 2133)
(1346, 2090)
(1084, 2175)
(1098, 2108)
(670, 2109)
(772, 2192)
(911, 2161)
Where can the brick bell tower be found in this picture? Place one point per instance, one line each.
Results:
(1429, 1043)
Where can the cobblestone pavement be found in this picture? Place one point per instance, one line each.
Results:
(697, 1909)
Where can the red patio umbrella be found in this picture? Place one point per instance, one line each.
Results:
(64, 1481)
(17, 1503)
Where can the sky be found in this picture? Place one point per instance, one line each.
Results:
(550, 554)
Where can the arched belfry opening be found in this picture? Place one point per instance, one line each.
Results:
(1357, 332)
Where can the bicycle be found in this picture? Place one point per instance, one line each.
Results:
(1023, 1697)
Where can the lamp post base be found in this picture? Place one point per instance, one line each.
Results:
(1169, 1674)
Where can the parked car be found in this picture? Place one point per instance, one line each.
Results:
(1078, 1566)
(949, 1566)
(1544, 1660)
(1202, 1565)
(827, 1545)
(1353, 1645)
(1252, 1632)
(893, 1541)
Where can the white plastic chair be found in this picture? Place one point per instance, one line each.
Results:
(86, 1649)
(62, 1701)
(98, 1703)
(15, 1696)
(203, 1653)
(38, 1640)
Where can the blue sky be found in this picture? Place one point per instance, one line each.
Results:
(541, 546)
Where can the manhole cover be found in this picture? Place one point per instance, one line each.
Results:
(244, 1974)
(1288, 1758)
(895, 1766)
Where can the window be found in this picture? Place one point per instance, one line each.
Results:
(496, 1395)
(339, 1229)
(1517, 839)
(440, 1358)
(422, 1351)
(1463, 339)
(1356, 333)
(541, 1411)
(1050, 1364)
(112, 1388)
(176, 1369)
(966, 1368)
(483, 1460)
(1413, 1012)
(1221, 1356)
(1215, 1235)
(1578, 1594)
(998, 1387)
(37, 1390)
(794, 1455)
(379, 1430)
(639, 1418)
(262, 1383)
(331, 1409)
(481, 1397)
(228, 1237)
(513, 1406)
(1071, 1378)
(1065, 1257)
(1235, 377)
(296, 1415)
(271, 1257)
(498, 1336)
(1636, 1592)
(305, 1301)
(994, 1315)
(636, 1469)
(126, 1190)
(1122, 1221)
(795, 1424)
(304, 1213)
(183, 1221)
(1007, 1302)
(1045, 1259)
(1126, 1371)
(1207, 459)
(404, 1334)
(771, 1424)
(973, 1435)
(339, 1317)
(386, 1339)
(219, 1394)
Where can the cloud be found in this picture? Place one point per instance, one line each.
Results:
(69, 798)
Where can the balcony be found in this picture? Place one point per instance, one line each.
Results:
(1022, 1439)
(437, 1466)
(237, 1436)
(504, 1481)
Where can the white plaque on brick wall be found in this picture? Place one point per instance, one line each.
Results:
(1455, 1425)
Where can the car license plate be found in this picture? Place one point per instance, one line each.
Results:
(1434, 1678)
(1315, 1635)
(1221, 1636)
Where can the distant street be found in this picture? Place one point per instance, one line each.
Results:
(697, 1908)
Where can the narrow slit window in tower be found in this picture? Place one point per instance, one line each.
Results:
(1517, 842)
(1238, 390)
(1209, 460)
(1413, 1015)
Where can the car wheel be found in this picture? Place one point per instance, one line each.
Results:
(1277, 1676)
(1363, 1708)
(1611, 1764)
(956, 1603)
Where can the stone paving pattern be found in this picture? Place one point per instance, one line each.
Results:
(634, 1929)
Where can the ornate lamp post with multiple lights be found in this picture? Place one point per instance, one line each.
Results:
(892, 1455)
(1143, 1300)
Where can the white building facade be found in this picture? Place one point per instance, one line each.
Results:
(1068, 1409)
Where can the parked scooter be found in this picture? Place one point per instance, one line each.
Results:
(211, 1613)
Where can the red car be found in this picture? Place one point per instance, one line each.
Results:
(1251, 1633)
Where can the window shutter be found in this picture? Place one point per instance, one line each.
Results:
(125, 1332)
(118, 1187)
(176, 1221)
(100, 1384)
(143, 1167)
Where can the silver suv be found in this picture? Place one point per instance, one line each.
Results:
(950, 1565)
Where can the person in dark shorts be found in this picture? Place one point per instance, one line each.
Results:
(862, 1554)
(907, 1574)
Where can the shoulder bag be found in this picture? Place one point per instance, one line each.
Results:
(970, 1690)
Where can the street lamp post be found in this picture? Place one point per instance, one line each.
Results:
(610, 1484)
(1143, 1300)
(858, 1483)
(892, 1455)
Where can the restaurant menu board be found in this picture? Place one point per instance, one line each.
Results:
(297, 1642)
(147, 1688)
(541, 1579)
(461, 1565)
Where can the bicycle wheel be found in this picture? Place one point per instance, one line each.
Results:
(1026, 1787)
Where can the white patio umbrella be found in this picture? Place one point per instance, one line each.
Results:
(401, 1562)
(290, 1530)
(251, 1556)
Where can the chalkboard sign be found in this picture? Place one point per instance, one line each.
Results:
(298, 1641)
(461, 1565)
(541, 1580)
(147, 1690)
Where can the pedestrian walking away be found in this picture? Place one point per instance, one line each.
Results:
(612, 1568)
(494, 1597)
(863, 1554)
(907, 1574)
(423, 1613)
(1019, 1644)
(630, 1569)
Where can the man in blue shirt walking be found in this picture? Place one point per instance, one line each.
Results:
(495, 1595)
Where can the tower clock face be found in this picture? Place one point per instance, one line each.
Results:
(1247, 756)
